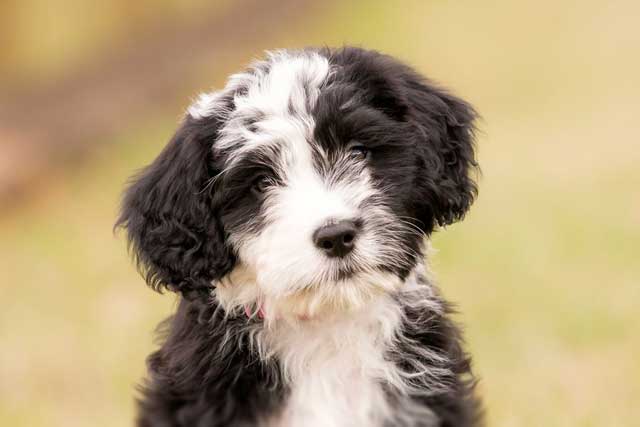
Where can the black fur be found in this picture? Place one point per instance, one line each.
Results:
(429, 133)
(178, 216)
(197, 381)
(170, 216)
(455, 405)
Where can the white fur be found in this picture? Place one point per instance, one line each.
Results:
(335, 366)
(273, 92)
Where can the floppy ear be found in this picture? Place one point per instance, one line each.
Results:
(169, 214)
(445, 133)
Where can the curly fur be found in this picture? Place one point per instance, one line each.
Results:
(360, 340)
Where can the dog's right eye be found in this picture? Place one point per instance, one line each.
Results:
(359, 152)
(260, 184)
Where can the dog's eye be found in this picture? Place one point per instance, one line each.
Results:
(260, 184)
(359, 152)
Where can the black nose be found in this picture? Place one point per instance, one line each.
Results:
(337, 239)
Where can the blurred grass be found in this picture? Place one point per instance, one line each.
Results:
(544, 269)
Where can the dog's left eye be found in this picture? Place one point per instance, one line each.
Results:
(359, 152)
(260, 184)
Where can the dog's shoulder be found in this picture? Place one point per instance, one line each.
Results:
(206, 372)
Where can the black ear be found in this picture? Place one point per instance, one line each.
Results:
(445, 132)
(169, 214)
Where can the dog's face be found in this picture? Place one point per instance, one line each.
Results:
(308, 184)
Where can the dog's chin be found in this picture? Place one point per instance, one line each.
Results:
(326, 301)
(344, 294)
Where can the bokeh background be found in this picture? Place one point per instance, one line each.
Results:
(544, 269)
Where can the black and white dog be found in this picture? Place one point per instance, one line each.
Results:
(291, 212)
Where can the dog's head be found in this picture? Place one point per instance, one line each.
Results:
(307, 184)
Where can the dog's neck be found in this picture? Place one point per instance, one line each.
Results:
(335, 365)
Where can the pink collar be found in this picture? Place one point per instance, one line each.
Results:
(261, 313)
(249, 313)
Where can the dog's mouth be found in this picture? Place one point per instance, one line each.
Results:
(342, 274)
(344, 269)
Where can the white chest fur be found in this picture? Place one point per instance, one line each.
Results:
(336, 367)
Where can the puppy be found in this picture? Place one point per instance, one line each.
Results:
(291, 212)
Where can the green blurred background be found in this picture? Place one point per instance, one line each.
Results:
(544, 269)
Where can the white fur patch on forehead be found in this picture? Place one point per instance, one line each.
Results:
(272, 102)
(286, 82)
